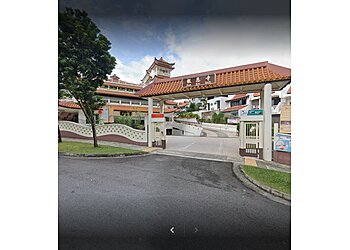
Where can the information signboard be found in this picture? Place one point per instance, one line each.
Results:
(285, 119)
(255, 112)
(283, 142)
(158, 118)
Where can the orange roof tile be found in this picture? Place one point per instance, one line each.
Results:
(163, 63)
(240, 75)
(71, 105)
(234, 108)
(256, 94)
(116, 93)
(122, 85)
(140, 109)
(169, 102)
(183, 104)
(237, 96)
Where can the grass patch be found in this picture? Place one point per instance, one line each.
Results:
(278, 180)
(88, 148)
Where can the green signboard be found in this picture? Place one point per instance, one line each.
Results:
(255, 112)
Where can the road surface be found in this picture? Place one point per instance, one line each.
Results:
(135, 203)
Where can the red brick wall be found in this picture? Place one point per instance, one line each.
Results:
(282, 157)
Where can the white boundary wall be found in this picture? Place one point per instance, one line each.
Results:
(225, 127)
(188, 129)
(108, 129)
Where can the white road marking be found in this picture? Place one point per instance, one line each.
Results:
(220, 148)
(189, 145)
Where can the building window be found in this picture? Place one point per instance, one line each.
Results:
(276, 100)
(125, 113)
(238, 102)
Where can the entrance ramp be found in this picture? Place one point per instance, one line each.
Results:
(184, 129)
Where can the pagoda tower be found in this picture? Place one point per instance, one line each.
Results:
(158, 70)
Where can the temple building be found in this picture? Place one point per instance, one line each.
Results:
(159, 69)
(120, 99)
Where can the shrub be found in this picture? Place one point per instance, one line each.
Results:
(187, 115)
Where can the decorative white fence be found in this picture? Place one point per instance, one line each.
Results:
(101, 130)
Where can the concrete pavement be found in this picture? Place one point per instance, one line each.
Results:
(228, 146)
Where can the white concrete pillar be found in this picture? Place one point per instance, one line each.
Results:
(275, 131)
(81, 117)
(261, 101)
(161, 106)
(149, 121)
(267, 150)
(241, 135)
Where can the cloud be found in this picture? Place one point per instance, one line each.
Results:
(133, 71)
(218, 43)
(214, 43)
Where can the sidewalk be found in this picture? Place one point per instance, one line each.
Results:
(203, 156)
(266, 164)
(114, 144)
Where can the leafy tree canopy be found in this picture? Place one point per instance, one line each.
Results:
(83, 60)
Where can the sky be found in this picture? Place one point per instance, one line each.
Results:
(196, 35)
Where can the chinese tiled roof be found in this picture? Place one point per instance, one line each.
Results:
(122, 85)
(183, 104)
(71, 105)
(234, 108)
(160, 77)
(237, 96)
(140, 109)
(256, 94)
(163, 63)
(169, 102)
(107, 92)
(239, 75)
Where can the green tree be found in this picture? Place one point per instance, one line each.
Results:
(83, 61)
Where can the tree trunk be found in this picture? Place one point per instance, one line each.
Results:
(93, 127)
(59, 135)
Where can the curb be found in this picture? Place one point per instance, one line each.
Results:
(263, 190)
(281, 167)
(102, 155)
(266, 188)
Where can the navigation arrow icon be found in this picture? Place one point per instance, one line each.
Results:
(195, 230)
(172, 230)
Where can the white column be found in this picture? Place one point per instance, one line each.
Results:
(261, 101)
(81, 117)
(241, 134)
(267, 150)
(162, 112)
(161, 106)
(149, 123)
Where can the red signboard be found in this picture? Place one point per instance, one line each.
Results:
(157, 115)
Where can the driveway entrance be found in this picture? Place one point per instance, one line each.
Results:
(214, 144)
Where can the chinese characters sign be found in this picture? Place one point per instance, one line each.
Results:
(198, 81)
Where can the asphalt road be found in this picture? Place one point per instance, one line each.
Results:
(132, 203)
